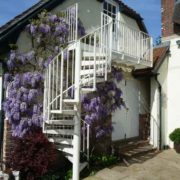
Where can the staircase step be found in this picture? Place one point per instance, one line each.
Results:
(91, 79)
(88, 90)
(138, 151)
(60, 122)
(82, 166)
(67, 112)
(68, 150)
(132, 144)
(90, 71)
(87, 54)
(59, 131)
(72, 101)
(91, 62)
(61, 140)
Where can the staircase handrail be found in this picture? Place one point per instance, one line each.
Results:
(73, 43)
(86, 139)
(67, 48)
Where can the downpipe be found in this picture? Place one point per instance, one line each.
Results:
(160, 110)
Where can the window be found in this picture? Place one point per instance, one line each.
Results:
(1, 88)
(110, 10)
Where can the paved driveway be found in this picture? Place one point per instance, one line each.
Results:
(162, 166)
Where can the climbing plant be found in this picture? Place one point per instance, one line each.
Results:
(99, 106)
(23, 106)
(32, 154)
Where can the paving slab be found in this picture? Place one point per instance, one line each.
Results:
(163, 166)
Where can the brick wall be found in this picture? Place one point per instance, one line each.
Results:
(167, 9)
(144, 126)
(7, 141)
(168, 27)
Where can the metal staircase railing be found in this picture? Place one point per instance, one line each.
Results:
(77, 67)
(85, 139)
(74, 70)
(131, 42)
(71, 16)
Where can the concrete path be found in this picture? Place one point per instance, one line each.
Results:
(163, 166)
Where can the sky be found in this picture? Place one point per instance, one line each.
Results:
(11, 8)
(149, 10)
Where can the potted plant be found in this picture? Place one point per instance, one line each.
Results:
(175, 137)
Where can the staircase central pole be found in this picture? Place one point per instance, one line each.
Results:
(77, 117)
(76, 144)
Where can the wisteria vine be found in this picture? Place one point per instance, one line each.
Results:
(25, 80)
(99, 106)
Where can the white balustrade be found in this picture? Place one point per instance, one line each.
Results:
(127, 40)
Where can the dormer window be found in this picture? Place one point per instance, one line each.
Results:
(110, 9)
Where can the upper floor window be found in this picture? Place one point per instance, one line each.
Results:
(110, 9)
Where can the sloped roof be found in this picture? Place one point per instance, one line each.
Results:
(159, 54)
(21, 20)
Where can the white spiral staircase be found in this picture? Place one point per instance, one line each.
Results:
(74, 71)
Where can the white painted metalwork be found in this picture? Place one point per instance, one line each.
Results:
(71, 16)
(16, 175)
(85, 138)
(76, 70)
(4, 175)
(128, 41)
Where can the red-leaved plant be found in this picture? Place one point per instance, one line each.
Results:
(33, 155)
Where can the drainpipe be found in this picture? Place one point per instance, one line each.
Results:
(160, 110)
(1, 112)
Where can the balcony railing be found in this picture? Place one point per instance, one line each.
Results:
(131, 42)
(71, 16)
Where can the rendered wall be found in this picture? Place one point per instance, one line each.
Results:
(129, 21)
(154, 122)
(136, 97)
(89, 14)
(169, 74)
(173, 90)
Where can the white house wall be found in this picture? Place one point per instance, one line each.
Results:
(89, 12)
(163, 79)
(173, 89)
(126, 122)
(154, 122)
(129, 21)
(155, 105)
(169, 75)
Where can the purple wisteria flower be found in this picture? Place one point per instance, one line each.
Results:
(53, 18)
(23, 106)
(31, 28)
(44, 28)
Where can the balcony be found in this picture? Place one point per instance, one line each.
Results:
(129, 45)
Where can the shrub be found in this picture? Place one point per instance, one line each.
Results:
(175, 136)
(103, 160)
(33, 155)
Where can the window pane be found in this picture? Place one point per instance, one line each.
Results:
(114, 10)
(105, 5)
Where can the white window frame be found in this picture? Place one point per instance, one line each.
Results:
(1, 93)
(1, 87)
(113, 4)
